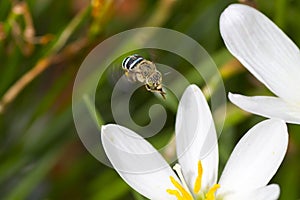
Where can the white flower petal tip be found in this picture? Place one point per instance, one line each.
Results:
(191, 90)
(270, 107)
(129, 152)
(256, 157)
(137, 162)
(263, 49)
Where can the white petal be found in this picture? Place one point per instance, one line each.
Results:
(271, 107)
(256, 157)
(137, 162)
(196, 138)
(263, 49)
(270, 192)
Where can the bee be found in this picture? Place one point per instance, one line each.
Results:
(139, 69)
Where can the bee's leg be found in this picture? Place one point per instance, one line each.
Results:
(160, 90)
(162, 93)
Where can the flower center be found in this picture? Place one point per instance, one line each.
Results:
(182, 192)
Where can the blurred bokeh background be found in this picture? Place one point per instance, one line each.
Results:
(42, 45)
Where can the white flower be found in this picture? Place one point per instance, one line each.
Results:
(270, 56)
(250, 167)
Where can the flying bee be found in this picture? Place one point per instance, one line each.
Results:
(139, 69)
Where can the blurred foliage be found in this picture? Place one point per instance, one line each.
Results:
(43, 43)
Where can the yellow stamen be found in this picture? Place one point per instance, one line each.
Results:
(175, 193)
(185, 194)
(210, 195)
(182, 192)
(197, 185)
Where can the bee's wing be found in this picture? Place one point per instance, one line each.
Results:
(166, 73)
(114, 73)
(131, 76)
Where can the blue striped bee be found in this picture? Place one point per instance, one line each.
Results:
(139, 69)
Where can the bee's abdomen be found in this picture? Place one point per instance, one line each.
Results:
(131, 62)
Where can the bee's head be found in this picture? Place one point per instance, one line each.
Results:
(156, 88)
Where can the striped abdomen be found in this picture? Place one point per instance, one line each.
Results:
(130, 62)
